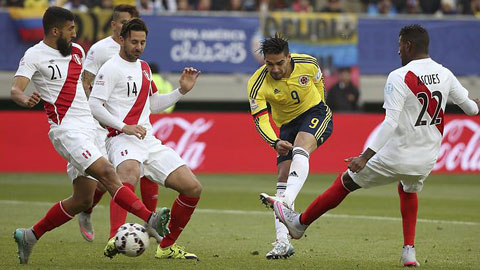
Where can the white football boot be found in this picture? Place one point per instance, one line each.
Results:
(409, 256)
(282, 249)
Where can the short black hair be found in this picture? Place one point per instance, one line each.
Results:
(56, 17)
(125, 8)
(274, 45)
(135, 24)
(417, 35)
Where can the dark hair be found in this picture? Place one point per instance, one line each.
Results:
(417, 35)
(274, 45)
(56, 17)
(125, 8)
(133, 25)
(153, 67)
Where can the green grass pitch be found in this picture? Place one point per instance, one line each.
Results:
(232, 230)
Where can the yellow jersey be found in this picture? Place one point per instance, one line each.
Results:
(288, 97)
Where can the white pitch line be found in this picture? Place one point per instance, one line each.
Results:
(267, 212)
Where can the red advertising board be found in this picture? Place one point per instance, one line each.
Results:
(229, 143)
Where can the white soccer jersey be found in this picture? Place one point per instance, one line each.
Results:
(125, 88)
(57, 79)
(99, 53)
(419, 90)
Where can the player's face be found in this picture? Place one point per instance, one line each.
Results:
(277, 65)
(66, 35)
(134, 45)
(123, 17)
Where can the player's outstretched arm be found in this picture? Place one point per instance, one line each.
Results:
(18, 93)
(87, 79)
(188, 79)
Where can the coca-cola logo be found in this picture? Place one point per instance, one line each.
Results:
(186, 144)
(460, 149)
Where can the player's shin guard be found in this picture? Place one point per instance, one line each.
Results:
(329, 199)
(96, 198)
(409, 209)
(281, 230)
(55, 217)
(126, 198)
(149, 191)
(298, 173)
(182, 210)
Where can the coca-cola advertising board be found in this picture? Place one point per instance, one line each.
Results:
(229, 143)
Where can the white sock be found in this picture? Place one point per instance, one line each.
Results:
(297, 175)
(281, 230)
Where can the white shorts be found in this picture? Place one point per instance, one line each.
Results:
(374, 174)
(77, 146)
(158, 160)
(100, 137)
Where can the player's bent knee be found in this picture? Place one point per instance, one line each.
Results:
(195, 189)
(348, 182)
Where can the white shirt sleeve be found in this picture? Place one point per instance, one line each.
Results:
(103, 115)
(458, 93)
(93, 62)
(160, 102)
(388, 126)
(394, 93)
(469, 107)
(27, 66)
(104, 83)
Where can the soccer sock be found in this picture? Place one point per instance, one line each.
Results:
(118, 215)
(126, 199)
(281, 230)
(182, 210)
(149, 191)
(96, 198)
(329, 199)
(298, 173)
(409, 209)
(55, 217)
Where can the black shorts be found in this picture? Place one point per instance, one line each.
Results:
(317, 121)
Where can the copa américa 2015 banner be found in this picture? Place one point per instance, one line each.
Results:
(229, 143)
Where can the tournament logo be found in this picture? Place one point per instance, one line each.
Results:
(253, 105)
(303, 80)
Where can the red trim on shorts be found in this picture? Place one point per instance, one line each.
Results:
(56, 112)
(417, 86)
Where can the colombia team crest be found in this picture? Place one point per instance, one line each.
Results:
(303, 80)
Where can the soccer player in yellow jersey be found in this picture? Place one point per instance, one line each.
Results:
(293, 86)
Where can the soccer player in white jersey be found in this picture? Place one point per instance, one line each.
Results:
(407, 144)
(54, 65)
(122, 98)
(98, 54)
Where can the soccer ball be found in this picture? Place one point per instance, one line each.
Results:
(131, 239)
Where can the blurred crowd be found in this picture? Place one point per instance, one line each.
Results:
(371, 7)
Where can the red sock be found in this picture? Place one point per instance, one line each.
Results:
(149, 191)
(96, 198)
(127, 200)
(182, 210)
(55, 217)
(325, 201)
(118, 215)
(409, 209)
